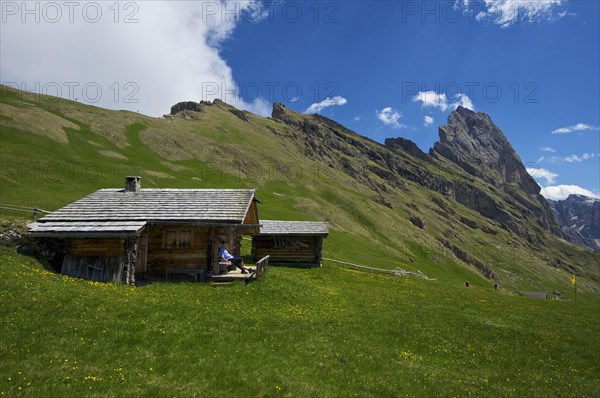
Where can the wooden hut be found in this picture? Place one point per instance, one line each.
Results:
(290, 242)
(118, 234)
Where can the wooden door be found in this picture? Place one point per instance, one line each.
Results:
(142, 255)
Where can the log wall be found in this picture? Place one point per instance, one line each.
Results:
(94, 259)
(288, 249)
(95, 247)
(94, 268)
(162, 255)
(160, 247)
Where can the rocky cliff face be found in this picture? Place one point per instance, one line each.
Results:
(406, 146)
(186, 106)
(473, 142)
(495, 182)
(579, 217)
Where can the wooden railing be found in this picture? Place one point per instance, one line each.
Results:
(261, 266)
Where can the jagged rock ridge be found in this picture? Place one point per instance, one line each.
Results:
(190, 106)
(407, 146)
(473, 142)
(476, 167)
(580, 218)
(186, 106)
(395, 163)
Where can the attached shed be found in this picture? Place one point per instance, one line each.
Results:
(120, 234)
(290, 242)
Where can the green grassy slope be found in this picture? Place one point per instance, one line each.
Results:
(297, 332)
(56, 151)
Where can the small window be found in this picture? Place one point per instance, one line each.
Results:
(185, 239)
(280, 242)
(170, 239)
(180, 238)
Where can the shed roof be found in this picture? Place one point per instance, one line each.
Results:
(86, 228)
(116, 212)
(272, 227)
(200, 205)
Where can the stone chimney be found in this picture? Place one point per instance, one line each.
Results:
(132, 184)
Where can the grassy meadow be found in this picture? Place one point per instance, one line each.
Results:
(331, 331)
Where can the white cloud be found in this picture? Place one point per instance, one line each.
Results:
(357, 118)
(390, 117)
(575, 127)
(505, 13)
(428, 121)
(575, 158)
(432, 99)
(587, 156)
(464, 101)
(540, 159)
(539, 173)
(170, 52)
(548, 149)
(327, 102)
(560, 192)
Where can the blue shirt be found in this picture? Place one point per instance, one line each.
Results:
(224, 253)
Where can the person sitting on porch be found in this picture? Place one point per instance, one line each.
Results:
(237, 261)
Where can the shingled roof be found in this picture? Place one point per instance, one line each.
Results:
(272, 227)
(117, 211)
(87, 228)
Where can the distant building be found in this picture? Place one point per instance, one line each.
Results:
(290, 242)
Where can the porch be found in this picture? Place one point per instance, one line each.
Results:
(256, 272)
(203, 275)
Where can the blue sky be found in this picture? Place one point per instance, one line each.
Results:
(382, 68)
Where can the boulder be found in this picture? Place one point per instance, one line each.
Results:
(417, 222)
(186, 106)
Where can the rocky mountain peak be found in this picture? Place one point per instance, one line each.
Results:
(579, 217)
(477, 145)
(407, 146)
(284, 115)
